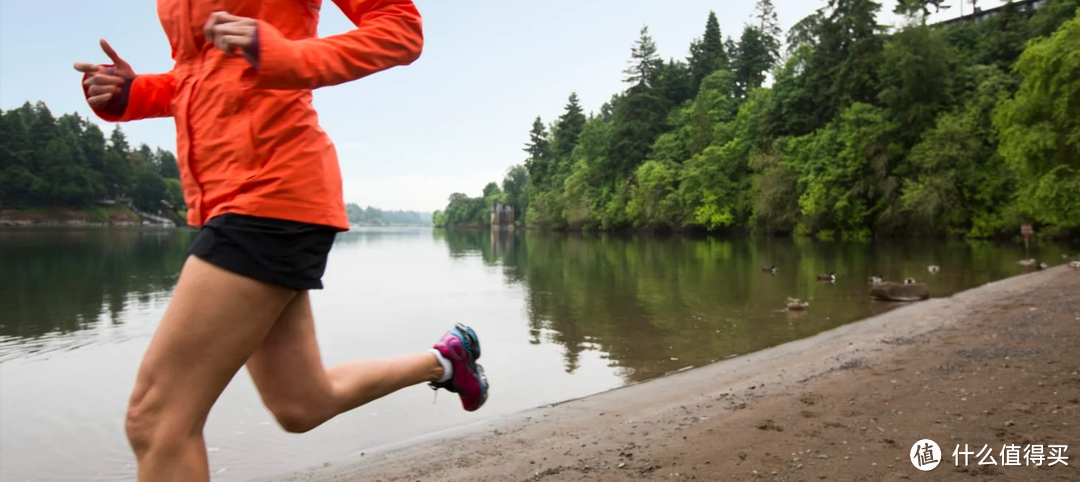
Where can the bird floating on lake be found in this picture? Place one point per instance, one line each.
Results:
(770, 269)
(933, 269)
(827, 277)
(795, 304)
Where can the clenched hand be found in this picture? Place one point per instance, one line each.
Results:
(229, 32)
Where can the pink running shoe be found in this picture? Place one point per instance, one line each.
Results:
(462, 348)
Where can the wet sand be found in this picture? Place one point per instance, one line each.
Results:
(992, 366)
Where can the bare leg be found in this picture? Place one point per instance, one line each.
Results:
(215, 321)
(288, 371)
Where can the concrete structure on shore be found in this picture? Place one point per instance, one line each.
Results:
(502, 216)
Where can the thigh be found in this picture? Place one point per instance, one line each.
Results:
(215, 320)
(287, 367)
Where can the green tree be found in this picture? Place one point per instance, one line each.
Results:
(65, 161)
(166, 164)
(805, 32)
(1040, 128)
(863, 132)
(515, 184)
(1051, 16)
(676, 82)
(645, 65)
(491, 189)
(844, 65)
(569, 127)
(916, 79)
(959, 184)
(707, 54)
(150, 190)
(768, 26)
(539, 148)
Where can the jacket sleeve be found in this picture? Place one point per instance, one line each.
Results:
(144, 97)
(388, 33)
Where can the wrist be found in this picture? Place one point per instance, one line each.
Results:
(119, 101)
(251, 50)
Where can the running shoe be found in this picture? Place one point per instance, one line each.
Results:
(461, 347)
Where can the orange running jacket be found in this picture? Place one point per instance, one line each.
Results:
(248, 139)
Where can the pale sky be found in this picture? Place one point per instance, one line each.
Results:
(409, 137)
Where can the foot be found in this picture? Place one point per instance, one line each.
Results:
(461, 347)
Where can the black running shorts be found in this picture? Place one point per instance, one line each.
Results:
(285, 253)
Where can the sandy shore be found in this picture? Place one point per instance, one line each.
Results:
(991, 366)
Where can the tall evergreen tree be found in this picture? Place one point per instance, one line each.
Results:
(769, 27)
(118, 173)
(752, 62)
(845, 63)
(758, 49)
(707, 54)
(569, 126)
(804, 32)
(539, 149)
(645, 65)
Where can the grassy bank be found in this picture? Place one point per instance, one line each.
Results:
(55, 216)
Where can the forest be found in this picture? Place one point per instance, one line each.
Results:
(840, 128)
(370, 216)
(67, 162)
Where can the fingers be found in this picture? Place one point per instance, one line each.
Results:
(223, 17)
(86, 68)
(96, 90)
(116, 60)
(98, 100)
(235, 28)
(229, 32)
(230, 43)
(104, 79)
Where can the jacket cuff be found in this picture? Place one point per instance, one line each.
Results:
(251, 51)
(277, 58)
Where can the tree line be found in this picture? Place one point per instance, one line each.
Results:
(961, 128)
(370, 216)
(47, 161)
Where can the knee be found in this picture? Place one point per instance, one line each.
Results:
(149, 427)
(296, 418)
(142, 427)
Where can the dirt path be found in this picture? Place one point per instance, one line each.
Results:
(992, 366)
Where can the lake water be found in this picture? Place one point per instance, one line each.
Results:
(559, 316)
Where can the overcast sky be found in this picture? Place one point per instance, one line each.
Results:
(408, 137)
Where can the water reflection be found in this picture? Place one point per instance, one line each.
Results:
(565, 316)
(652, 305)
(58, 282)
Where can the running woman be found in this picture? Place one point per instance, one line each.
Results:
(262, 182)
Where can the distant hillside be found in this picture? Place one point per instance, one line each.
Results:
(371, 216)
